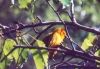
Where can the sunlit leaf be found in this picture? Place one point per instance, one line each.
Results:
(8, 46)
(87, 43)
(24, 3)
(40, 43)
(2, 65)
(97, 53)
(44, 52)
(25, 53)
(9, 43)
(38, 59)
(40, 56)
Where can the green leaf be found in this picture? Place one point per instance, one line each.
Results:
(9, 43)
(2, 65)
(40, 43)
(40, 56)
(8, 46)
(87, 43)
(38, 59)
(24, 3)
(65, 2)
(44, 52)
(25, 53)
(97, 53)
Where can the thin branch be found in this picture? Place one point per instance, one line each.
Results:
(77, 66)
(40, 34)
(75, 25)
(61, 63)
(67, 52)
(72, 10)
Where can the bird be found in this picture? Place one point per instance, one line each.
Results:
(54, 39)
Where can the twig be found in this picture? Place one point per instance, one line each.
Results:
(77, 66)
(75, 25)
(41, 34)
(67, 52)
(61, 63)
(72, 10)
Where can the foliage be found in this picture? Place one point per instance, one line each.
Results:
(40, 57)
(87, 43)
(8, 46)
(24, 3)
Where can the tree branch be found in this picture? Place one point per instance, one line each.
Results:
(75, 25)
(69, 52)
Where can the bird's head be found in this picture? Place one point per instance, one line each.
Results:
(61, 31)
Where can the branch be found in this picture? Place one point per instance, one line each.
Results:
(67, 52)
(77, 66)
(66, 64)
(40, 34)
(76, 25)
(72, 11)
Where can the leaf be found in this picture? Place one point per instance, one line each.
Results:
(8, 46)
(97, 53)
(38, 60)
(25, 53)
(65, 2)
(24, 3)
(40, 56)
(2, 65)
(9, 43)
(40, 43)
(87, 43)
(44, 52)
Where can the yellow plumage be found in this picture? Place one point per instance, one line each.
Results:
(58, 36)
(54, 39)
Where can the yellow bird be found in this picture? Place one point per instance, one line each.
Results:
(54, 39)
